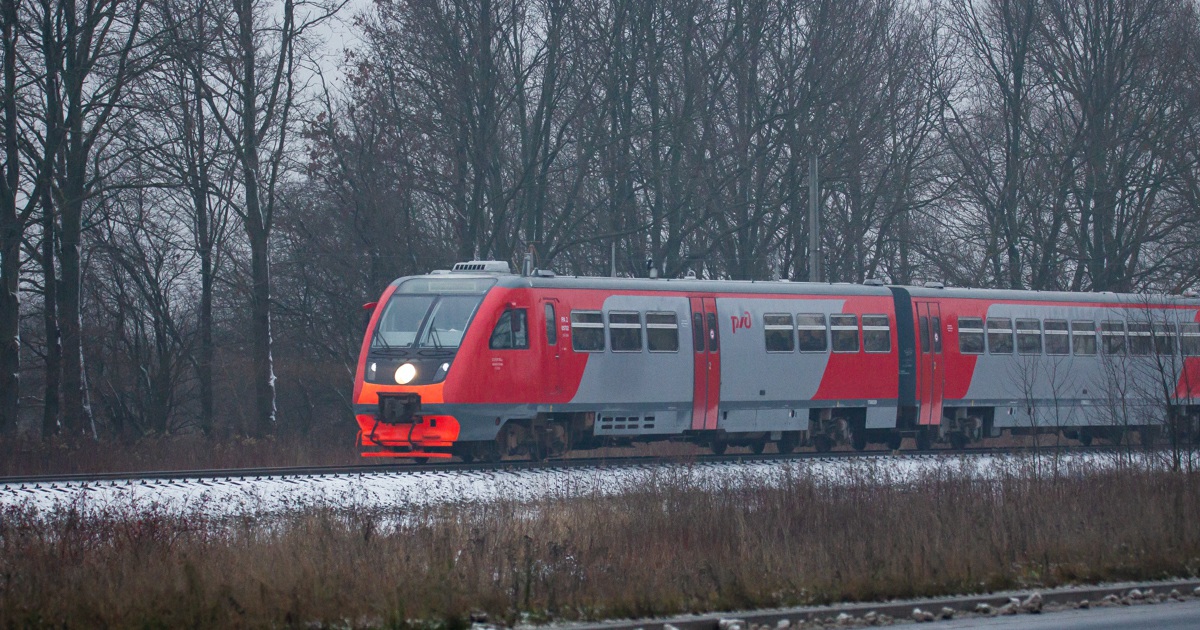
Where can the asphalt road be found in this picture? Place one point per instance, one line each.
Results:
(1165, 616)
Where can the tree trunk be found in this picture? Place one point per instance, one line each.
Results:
(12, 228)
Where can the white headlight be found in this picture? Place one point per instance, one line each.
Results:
(406, 373)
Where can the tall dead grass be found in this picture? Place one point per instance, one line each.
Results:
(675, 541)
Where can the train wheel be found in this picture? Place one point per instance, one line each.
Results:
(858, 439)
(1148, 436)
(895, 439)
(959, 441)
(822, 443)
(924, 440)
(421, 461)
(788, 443)
(467, 456)
(759, 447)
(718, 447)
(1085, 437)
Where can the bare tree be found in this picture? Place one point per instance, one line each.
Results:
(251, 72)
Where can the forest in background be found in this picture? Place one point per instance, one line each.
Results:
(192, 213)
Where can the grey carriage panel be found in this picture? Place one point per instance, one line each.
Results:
(750, 374)
(661, 379)
(1054, 382)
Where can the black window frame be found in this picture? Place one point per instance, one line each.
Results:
(805, 326)
(972, 328)
(996, 333)
(835, 329)
(651, 326)
(517, 343)
(580, 325)
(777, 328)
(622, 327)
(874, 329)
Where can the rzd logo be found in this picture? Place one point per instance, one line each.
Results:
(740, 322)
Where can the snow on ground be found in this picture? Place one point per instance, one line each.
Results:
(218, 497)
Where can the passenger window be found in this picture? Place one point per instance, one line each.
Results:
(877, 334)
(812, 332)
(1083, 337)
(779, 332)
(662, 332)
(923, 332)
(1058, 338)
(1164, 339)
(1140, 343)
(551, 326)
(510, 332)
(843, 330)
(625, 332)
(1113, 334)
(712, 332)
(1189, 340)
(698, 331)
(587, 331)
(1029, 336)
(999, 335)
(970, 335)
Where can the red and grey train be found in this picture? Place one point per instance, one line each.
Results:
(481, 363)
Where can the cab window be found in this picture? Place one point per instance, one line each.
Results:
(511, 332)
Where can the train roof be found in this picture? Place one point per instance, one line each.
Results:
(548, 280)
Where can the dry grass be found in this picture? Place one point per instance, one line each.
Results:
(675, 542)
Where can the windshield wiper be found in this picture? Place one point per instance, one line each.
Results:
(433, 337)
(378, 337)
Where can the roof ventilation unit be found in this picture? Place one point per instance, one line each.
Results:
(873, 282)
(935, 285)
(482, 266)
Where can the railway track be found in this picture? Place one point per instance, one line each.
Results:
(520, 465)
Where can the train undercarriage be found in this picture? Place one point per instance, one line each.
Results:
(552, 436)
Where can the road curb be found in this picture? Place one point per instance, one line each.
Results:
(899, 609)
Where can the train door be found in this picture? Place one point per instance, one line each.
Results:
(706, 347)
(931, 364)
(554, 339)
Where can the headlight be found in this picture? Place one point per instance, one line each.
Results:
(442, 369)
(406, 373)
(371, 372)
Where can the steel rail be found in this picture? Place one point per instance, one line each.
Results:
(515, 465)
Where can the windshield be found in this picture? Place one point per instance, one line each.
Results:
(440, 321)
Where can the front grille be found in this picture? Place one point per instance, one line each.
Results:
(399, 408)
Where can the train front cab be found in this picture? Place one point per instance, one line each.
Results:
(414, 335)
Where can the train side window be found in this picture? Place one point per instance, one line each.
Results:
(779, 333)
(877, 333)
(1164, 339)
(1140, 342)
(1058, 337)
(1113, 334)
(698, 331)
(999, 335)
(843, 330)
(970, 335)
(511, 332)
(1029, 336)
(625, 331)
(587, 331)
(551, 325)
(1083, 337)
(812, 332)
(1189, 340)
(713, 332)
(662, 332)
(923, 325)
